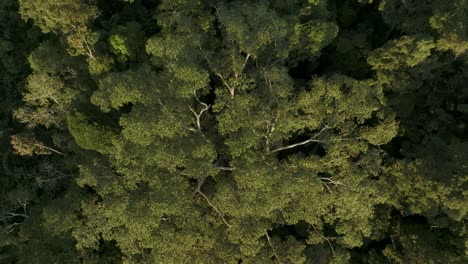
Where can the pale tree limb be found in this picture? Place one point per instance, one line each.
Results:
(52, 175)
(11, 228)
(329, 243)
(231, 90)
(39, 180)
(311, 139)
(328, 240)
(89, 52)
(198, 190)
(24, 204)
(200, 183)
(295, 145)
(71, 71)
(191, 129)
(84, 43)
(199, 114)
(270, 129)
(272, 248)
(269, 84)
(48, 148)
(214, 207)
(246, 60)
(182, 173)
(224, 168)
(331, 181)
(328, 188)
(12, 215)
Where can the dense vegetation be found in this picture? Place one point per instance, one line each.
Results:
(233, 131)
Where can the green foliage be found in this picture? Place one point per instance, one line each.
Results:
(126, 41)
(65, 16)
(213, 131)
(252, 28)
(70, 18)
(446, 21)
(416, 243)
(313, 36)
(90, 135)
(100, 65)
(50, 98)
(427, 181)
(407, 51)
(117, 89)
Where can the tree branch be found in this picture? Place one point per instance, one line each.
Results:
(311, 139)
(11, 228)
(89, 52)
(272, 248)
(12, 215)
(231, 90)
(245, 62)
(51, 149)
(328, 188)
(329, 243)
(198, 115)
(214, 207)
(329, 180)
(224, 168)
(200, 183)
(270, 129)
(295, 145)
(198, 190)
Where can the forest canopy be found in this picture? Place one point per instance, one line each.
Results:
(234, 131)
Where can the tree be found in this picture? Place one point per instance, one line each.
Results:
(213, 131)
(69, 17)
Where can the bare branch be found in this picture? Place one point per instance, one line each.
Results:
(326, 185)
(295, 145)
(198, 190)
(12, 215)
(39, 180)
(89, 51)
(51, 149)
(311, 139)
(272, 248)
(214, 207)
(329, 243)
(231, 90)
(224, 168)
(329, 180)
(270, 129)
(199, 114)
(200, 183)
(269, 84)
(245, 62)
(191, 129)
(11, 228)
